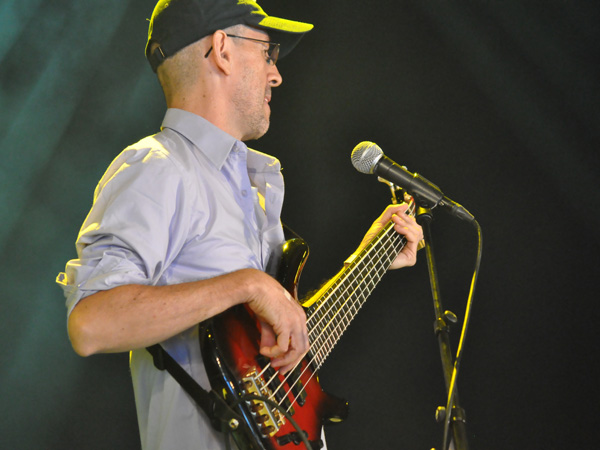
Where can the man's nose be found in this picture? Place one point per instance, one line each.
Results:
(275, 77)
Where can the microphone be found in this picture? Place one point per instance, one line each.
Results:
(367, 157)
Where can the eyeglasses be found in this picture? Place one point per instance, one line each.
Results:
(272, 51)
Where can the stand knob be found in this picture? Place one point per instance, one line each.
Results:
(440, 414)
(450, 317)
(458, 414)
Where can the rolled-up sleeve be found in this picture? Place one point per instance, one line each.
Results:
(135, 228)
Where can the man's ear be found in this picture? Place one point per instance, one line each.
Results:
(221, 51)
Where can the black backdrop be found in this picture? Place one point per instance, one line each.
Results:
(496, 102)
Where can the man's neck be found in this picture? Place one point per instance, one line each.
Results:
(208, 104)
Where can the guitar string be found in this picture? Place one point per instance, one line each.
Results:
(383, 235)
(349, 299)
(324, 304)
(336, 333)
(361, 298)
(352, 298)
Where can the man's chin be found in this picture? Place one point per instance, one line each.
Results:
(257, 134)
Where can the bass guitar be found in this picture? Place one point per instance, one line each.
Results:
(296, 407)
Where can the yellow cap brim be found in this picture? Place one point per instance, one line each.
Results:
(289, 26)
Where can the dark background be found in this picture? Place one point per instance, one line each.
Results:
(497, 102)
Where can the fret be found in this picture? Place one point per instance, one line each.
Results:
(331, 314)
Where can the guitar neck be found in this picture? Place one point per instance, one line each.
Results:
(333, 310)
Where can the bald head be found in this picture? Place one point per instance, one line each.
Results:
(226, 78)
(182, 73)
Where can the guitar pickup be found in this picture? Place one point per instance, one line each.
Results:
(298, 387)
(296, 439)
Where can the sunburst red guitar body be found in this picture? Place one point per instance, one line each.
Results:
(230, 349)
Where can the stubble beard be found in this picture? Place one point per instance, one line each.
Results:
(249, 104)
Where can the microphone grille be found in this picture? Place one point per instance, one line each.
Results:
(365, 156)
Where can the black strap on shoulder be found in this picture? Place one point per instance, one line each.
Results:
(220, 414)
(289, 233)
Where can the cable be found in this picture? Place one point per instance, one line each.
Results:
(463, 335)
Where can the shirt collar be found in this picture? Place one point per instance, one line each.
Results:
(208, 138)
(215, 143)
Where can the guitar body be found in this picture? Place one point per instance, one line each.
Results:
(230, 348)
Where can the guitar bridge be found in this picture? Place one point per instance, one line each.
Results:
(269, 420)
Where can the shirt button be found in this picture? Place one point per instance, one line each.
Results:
(244, 193)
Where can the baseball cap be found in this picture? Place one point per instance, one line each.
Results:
(175, 24)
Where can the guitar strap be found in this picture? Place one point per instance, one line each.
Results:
(222, 417)
(289, 233)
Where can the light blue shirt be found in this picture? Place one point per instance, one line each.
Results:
(186, 204)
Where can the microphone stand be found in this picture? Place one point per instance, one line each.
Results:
(442, 331)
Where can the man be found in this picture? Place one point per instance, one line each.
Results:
(183, 222)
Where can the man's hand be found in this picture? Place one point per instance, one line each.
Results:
(284, 336)
(405, 225)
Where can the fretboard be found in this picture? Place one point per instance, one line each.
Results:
(334, 309)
